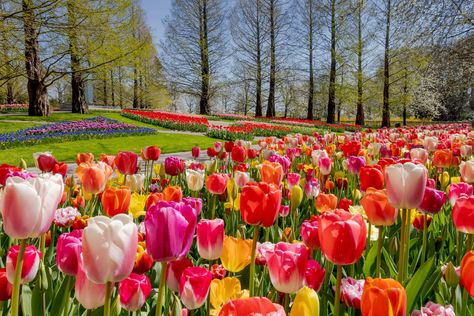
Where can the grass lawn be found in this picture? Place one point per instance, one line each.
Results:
(6, 127)
(67, 151)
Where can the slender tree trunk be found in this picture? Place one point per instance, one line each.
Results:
(386, 72)
(112, 86)
(140, 82)
(105, 98)
(258, 84)
(204, 101)
(120, 87)
(309, 115)
(405, 96)
(360, 105)
(37, 90)
(271, 92)
(10, 93)
(135, 87)
(78, 99)
(332, 74)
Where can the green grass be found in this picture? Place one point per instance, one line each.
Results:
(67, 151)
(6, 127)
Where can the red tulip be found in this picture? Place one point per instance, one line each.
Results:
(127, 162)
(371, 176)
(45, 161)
(433, 201)
(338, 228)
(211, 152)
(260, 203)
(31, 262)
(419, 221)
(195, 151)
(60, 168)
(143, 261)
(133, 291)
(228, 146)
(260, 306)
(251, 153)
(463, 214)
(309, 233)
(238, 154)
(174, 270)
(68, 252)
(344, 204)
(6, 170)
(151, 153)
(5, 286)
(216, 183)
(210, 238)
(314, 275)
(194, 286)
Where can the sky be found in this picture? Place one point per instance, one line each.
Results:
(155, 11)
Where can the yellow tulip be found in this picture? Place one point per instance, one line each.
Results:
(296, 197)
(137, 205)
(236, 253)
(223, 291)
(455, 179)
(306, 303)
(87, 196)
(444, 179)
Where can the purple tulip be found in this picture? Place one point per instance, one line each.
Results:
(354, 164)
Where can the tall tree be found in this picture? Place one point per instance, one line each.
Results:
(360, 95)
(332, 72)
(204, 48)
(386, 69)
(271, 91)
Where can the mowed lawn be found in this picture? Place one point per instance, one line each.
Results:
(67, 151)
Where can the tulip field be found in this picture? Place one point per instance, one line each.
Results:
(305, 219)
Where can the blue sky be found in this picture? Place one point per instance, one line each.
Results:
(155, 11)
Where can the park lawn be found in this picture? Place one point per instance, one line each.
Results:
(67, 151)
(7, 127)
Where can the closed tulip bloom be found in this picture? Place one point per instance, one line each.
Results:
(241, 178)
(44, 161)
(271, 172)
(324, 165)
(312, 188)
(236, 253)
(135, 182)
(109, 246)
(94, 177)
(377, 208)
(174, 270)
(467, 271)
(293, 179)
(31, 262)
(170, 228)
(115, 200)
(309, 233)
(351, 292)
(28, 206)
(68, 252)
(195, 152)
(383, 297)
(127, 162)
(371, 177)
(355, 163)
(466, 168)
(433, 201)
(89, 294)
(173, 193)
(173, 166)
(238, 154)
(306, 303)
(338, 228)
(317, 154)
(216, 183)
(443, 158)
(430, 143)
(195, 179)
(260, 203)
(287, 266)
(457, 189)
(420, 154)
(326, 202)
(210, 238)
(405, 184)
(133, 291)
(463, 214)
(260, 306)
(5, 286)
(314, 275)
(151, 153)
(84, 158)
(466, 151)
(194, 286)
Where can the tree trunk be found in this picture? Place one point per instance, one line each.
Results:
(112, 87)
(332, 74)
(203, 43)
(386, 72)
(135, 87)
(271, 92)
(258, 92)
(78, 100)
(10, 93)
(309, 115)
(106, 100)
(405, 96)
(37, 90)
(360, 105)
(140, 83)
(120, 86)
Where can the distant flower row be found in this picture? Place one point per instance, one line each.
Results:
(176, 121)
(5, 108)
(96, 127)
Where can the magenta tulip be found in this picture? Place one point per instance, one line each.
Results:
(68, 252)
(133, 291)
(433, 201)
(314, 275)
(354, 163)
(173, 166)
(292, 179)
(31, 262)
(210, 238)
(174, 271)
(309, 233)
(194, 286)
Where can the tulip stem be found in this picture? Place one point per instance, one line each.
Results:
(337, 297)
(407, 244)
(67, 294)
(401, 250)
(17, 280)
(161, 289)
(468, 243)
(379, 251)
(425, 236)
(108, 295)
(256, 229)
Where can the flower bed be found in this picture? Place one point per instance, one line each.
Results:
(176, 121)
(96, 127)
(8, 108)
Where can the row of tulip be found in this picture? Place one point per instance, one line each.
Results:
(371, 223)
(175, 121)
(96, 127)
(7, 108)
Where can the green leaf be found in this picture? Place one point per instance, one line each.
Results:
(26, 295)
(416, 283)
(60, 297)
(370, 260)
(390, 263)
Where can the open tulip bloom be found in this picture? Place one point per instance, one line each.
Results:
(294, 225)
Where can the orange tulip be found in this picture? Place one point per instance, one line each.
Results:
(93, 176)
(326, 202)
(116, 201)
(378, 209)
(153, 199)
(443, 158)
(383, 297)
(272, 172)
(467, 272)
(84, 158)
(108, 159)
(173, 193)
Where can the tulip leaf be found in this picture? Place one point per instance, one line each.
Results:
(60, 296)
(390, 263)
(26, 295)
(416, 283)
(116, 307)
(370, 260)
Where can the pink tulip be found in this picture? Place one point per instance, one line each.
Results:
(354, 163)
(170, 228)
(68, 252)
(216, 183)
(210, 238)
(456, 189)
(309, 233)
(195, 203)
(28, 206)
(31, 262)
(174, 270)
(284, 210)
(420, 154)
(312, 188)
(314, 275)
(351, 292)
(218, 147)
(466, 168)
(44, 161)
(194, 286)
(430, 143)
(433, 201)
(293, 179)
(287, 266)
(433, 309)
(405, 184)
(324, 165)
(317, 154)
(466, 151)
(241, 178)
(109, 248)
(89, 294)
(133, 291)
(262, 249)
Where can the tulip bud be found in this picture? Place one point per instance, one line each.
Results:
(31, 262)
(450, 275)
(68, 252)
(296, 197)
(210, 238)
(133, 291)
(444, 179)
(23, 164)
(393, 246)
